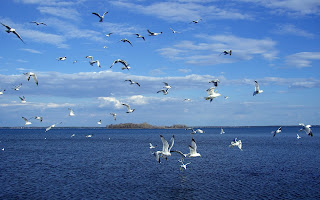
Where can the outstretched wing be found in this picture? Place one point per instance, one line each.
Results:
(256, 85)
(96, 14)
(165, 144)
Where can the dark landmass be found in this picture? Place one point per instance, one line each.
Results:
(144, 126)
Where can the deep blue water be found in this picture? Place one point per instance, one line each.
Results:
(61, 167)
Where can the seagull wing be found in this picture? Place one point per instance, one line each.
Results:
(172, 143)
(97, 14)
(105, 13)
(35, 79)
(8, 27)
(179, 152)
(256, 85)
(165, 144)
(126, 105)
(194, 145)
(25, 119)
(18, 36)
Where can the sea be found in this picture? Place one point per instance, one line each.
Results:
(118, 164)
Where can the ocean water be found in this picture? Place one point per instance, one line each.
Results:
(118, 164)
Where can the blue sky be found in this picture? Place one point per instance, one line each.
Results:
(273, 42)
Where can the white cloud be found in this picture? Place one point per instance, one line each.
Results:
(31, 51)
(68, 13)
(185, 70)
(106, 101)
(138, 100)
(302, 59)
(290, 29)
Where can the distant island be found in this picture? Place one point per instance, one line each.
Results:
(144, 126)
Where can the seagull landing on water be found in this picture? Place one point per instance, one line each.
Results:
(132, 82)
(153, 33)
(101, 17)
(226, 52)
(23, 99)
(91, 62)
(114, 116)
(12, 30)
(212, 94)
(256, 88)
(140, 36)
(307, 129)
(236, 143)
(128, 107)
(33, 75)
(16, 88)
(165, 92)
(126, 40)
(215, 82)
(26, 121)
(1, 92)
(151, 146)
(193, 150)
(123, 62)
(276, 132)
(62, 58)
(52, 126)
(71, 113)
(38, 23)
(89, 136)
(39, 118)
(166, 149)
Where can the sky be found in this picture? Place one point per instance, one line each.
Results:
(275, 42)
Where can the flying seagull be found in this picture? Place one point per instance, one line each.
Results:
(173, 31)
(236, 143)
(276, 132)
(38, 23)
(166, 85)
(128, 107)
(114, 116)
(99, 122)
(307, 129)
(165, 92)
(132, 82)
(140, 36)
(199, 130)
(226, 52)
(193, 150)
(16, 88)
(153, 33)
(222, 131)
(71, 113)
(12, 30)
(192, 130)
(123, 62)
(33, 75)
(126, 40)
(23, 99)
(91, 61)
(298, 136)
(26, 121)
(166, 149)
(101, 17)
(256, 88)
(108, 35)
(215, 82)
(187, 100)
(196, 21)
(1, 92)
(39, 118)
(151, 146)
(212, 94)
(62, 58)
(184, 166)
(52, 126)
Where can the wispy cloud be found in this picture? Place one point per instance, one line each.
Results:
(31, 51)
(68, 13)
(302, 59)
(290, 29)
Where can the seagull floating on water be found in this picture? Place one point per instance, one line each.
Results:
(153, 33)
(256, 88)
(126, 40)
(151, 146)
(215, 82)
(166, 149)
(123, 62)
(62, 58)
(114, 116)
(26, 121)
(52, 126)
(39, 118)
(38, 23)
(226, 52)
(212, 94)
(276, 132)
(236, 143)
(193, 150)
(12, 30)
(128, 107)
(140, 36)
(33, 75)
(89, 136)
(132, 82)
(71, 113)
(101, 17)
(23, 99)
(307, 129)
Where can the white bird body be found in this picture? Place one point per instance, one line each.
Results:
(236, 143)
(256, 88)
(298, 136)
(16, 88)
(212, 94)
(192, 130)
(222, 131)
(151, 146)
(128, 107)
(100, 16)
(276, 132)
(199, 131)
(108, 35)
(164, 91)
(183, 166)
(26, 121)
(114, 116)
(193, 150)
(307, 129)
(91, 61)
(166, 85)
(1, 92)
(71, 113)
(166, 149)
(140, 36)
(89, 136)
(123, 62)
(62, 58)
(153, 33)
(33, 75)
(99, 122)
(73, 135)
(23, 99)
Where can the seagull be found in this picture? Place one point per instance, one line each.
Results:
(192, 130)
(173, 31)
(128, 107)
(38, 23)
(99, 122)
(75, 61)
(165, 92)
(71, 113)
(153, 33)
(256, 89)
(39, 118)
(276, 132)
(23, 99)
(184, 166)
(132, 82)
(89, 136)
(105, 47)
(307, 129)
(151, 146)
(33, 75)
(52, 126)
(91, 62)
(187, 100)
(123, 62)
(27, 122)
(212, 94)
(1, 92)
(114, 116)
(215, 82)
(222, 131)
(196, 21)
(140, 36)
(2, 149)
(126, 40)
(166, 85)
(12, 30)
(226, 97)
(236, 143)
(62, 58)
(108, 35)
(226, 52)
(166, 149)
(298, 136)
(101, 17)
(193, 150)
(16, 88)
(199, 130)
(73, 135)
